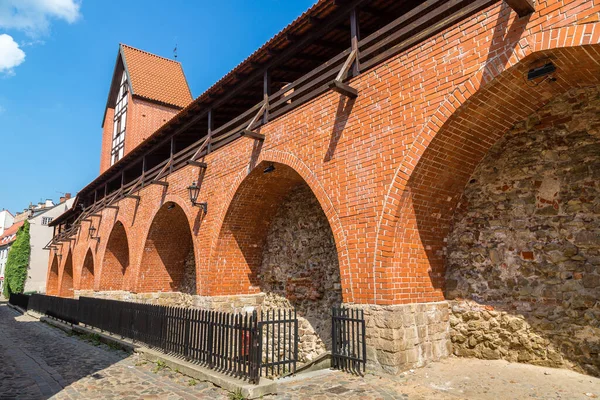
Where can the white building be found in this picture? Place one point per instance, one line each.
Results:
(41, 234)
(6, 220)
(6, 240)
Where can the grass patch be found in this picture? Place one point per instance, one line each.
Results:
(114, 346)
(192, 382)
(237, 395)
(93, 338)
(160, 365)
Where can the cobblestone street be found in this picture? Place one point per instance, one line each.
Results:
(40, 362)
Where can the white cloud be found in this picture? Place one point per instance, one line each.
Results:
(33, 16)
(10, 54)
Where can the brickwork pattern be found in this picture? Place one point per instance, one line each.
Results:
(167, 248)
(52, 281)
(387, 168)
(87, 272)
(66, 280)
(115, 272)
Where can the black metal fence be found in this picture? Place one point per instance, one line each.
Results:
(222, 341)
(348, 332)
(278, 341)
(56, 307)
(248, 345)
(19, 300)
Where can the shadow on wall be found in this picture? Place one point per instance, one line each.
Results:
(525, 244)
(277, 235)
(168, 263)
(444, 168)
(115, 273)
(300, 268)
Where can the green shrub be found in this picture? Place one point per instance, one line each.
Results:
(17, 263)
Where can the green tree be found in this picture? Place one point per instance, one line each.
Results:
(17, 262)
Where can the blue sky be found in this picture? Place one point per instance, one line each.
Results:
(57, 59)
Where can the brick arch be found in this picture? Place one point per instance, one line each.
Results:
(115, 270)
(168, 245)
(429, 181)
(86, 275)
(52, 285)
(308, 176)
(66, 280)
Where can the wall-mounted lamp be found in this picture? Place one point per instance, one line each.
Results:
(194, 191)
(269, 169)
(538, 72)
(91, 232)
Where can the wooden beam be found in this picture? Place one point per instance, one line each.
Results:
(114, 207)
(521, 7)
(354, 38)
(155, 182)
(133, 196)
(252, 135)
(266, 94)
(197, 164)
(328, 44)
(343, 89)
(308, 57)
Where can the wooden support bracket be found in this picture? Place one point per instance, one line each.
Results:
(337, 84)
(133, 196)
(522, 7)
(202, 147)
(96, 215)
(343, 89)
(252, 135)
(155, 182)
(114, 207)
(197, 163)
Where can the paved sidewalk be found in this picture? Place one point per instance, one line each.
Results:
(41, 362)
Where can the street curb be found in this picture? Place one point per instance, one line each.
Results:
(226, 382)
(17, 308)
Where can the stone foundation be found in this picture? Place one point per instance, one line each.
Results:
(406, 336)
(240, 303)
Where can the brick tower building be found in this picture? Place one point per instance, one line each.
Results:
(145, 92)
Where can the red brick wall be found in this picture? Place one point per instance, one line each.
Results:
(165, 251)
(387, 168)
(115, 271)
(52, 282)
(87, 272)
(66, 281)
(107, 131)
(143, 118)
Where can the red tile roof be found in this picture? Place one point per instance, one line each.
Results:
(10, 234)
(156, 78)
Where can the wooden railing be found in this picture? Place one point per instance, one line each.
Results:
(408, 30)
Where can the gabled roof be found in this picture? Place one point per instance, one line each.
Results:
(150, 77)
(155, 78)
(10, 234)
